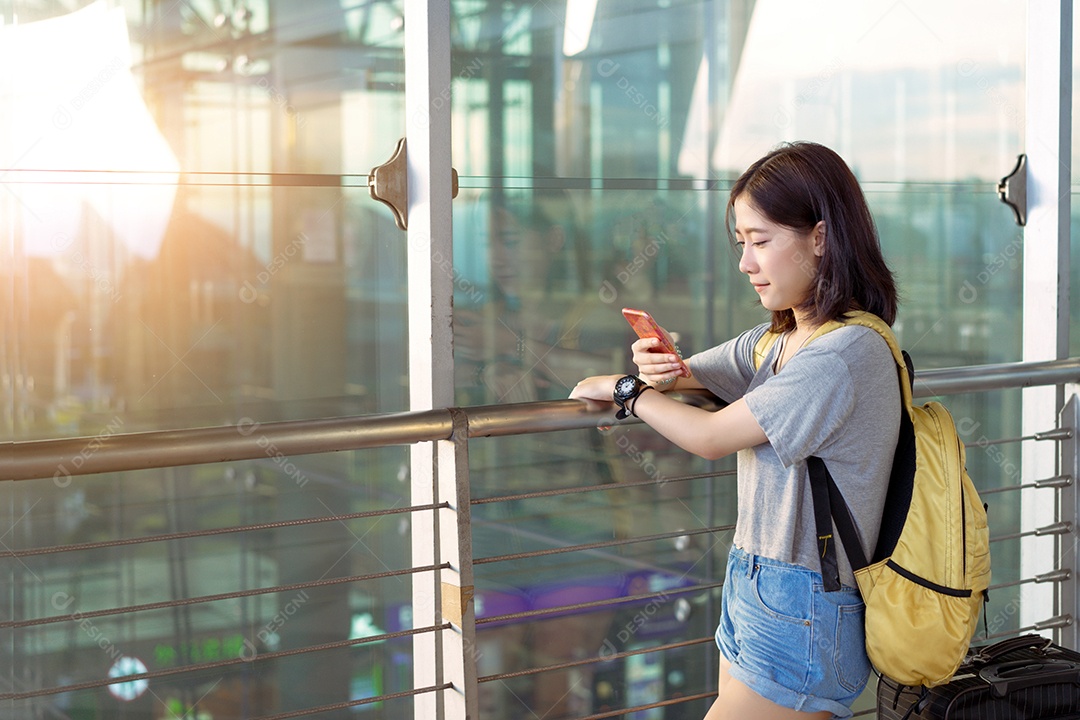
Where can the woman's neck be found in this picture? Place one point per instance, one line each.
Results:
(804, 325)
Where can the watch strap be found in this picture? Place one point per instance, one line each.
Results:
(633, 401)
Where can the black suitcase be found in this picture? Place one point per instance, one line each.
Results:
(1022, 678)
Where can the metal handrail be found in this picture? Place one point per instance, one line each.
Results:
(980, 378)
(251, 440)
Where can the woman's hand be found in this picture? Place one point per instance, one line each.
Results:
(598, 388)
(655, 368)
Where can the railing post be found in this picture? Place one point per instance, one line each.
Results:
(1068, 498)
(458, 646)
(1047, 143)
(430, 291)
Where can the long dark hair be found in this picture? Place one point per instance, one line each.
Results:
(800, 184)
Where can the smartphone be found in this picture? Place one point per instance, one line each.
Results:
(646, 327)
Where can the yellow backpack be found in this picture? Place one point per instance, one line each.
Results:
(927, 579)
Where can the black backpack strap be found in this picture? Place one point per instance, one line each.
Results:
(830, 507)
(819, 489)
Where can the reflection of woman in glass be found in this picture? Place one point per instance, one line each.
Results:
(517, 336)
(810, 249)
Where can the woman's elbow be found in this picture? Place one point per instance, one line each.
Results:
(710, 451)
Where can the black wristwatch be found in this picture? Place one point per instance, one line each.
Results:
(627, 388)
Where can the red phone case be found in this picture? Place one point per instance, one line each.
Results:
(646, 327)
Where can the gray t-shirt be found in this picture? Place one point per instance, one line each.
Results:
(837, 398)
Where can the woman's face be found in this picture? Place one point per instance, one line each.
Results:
(781, 263)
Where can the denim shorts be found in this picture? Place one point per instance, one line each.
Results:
(790, 641)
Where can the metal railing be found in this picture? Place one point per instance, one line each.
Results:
(249, 440)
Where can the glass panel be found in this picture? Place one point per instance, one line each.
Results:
(187, 241)
(81, 612)
(184, 193)
(596, 142)
(642, 493)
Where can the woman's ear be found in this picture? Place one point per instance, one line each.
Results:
(819, 238)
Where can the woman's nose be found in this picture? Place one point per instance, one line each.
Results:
(747, 264)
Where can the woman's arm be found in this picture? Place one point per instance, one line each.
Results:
(709, 434)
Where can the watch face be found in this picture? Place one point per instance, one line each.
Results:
(625, 386)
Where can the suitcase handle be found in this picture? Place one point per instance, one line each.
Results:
(1006, 677)
(988, 653)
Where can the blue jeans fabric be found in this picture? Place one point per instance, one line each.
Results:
(789, 640)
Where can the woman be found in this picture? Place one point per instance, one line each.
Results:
(810, 250)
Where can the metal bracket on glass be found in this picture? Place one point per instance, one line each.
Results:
(1013, 190)
(389, 184)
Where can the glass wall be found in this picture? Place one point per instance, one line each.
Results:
(184, 194)
(188, 242)
(155, 578)
(596, 142)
